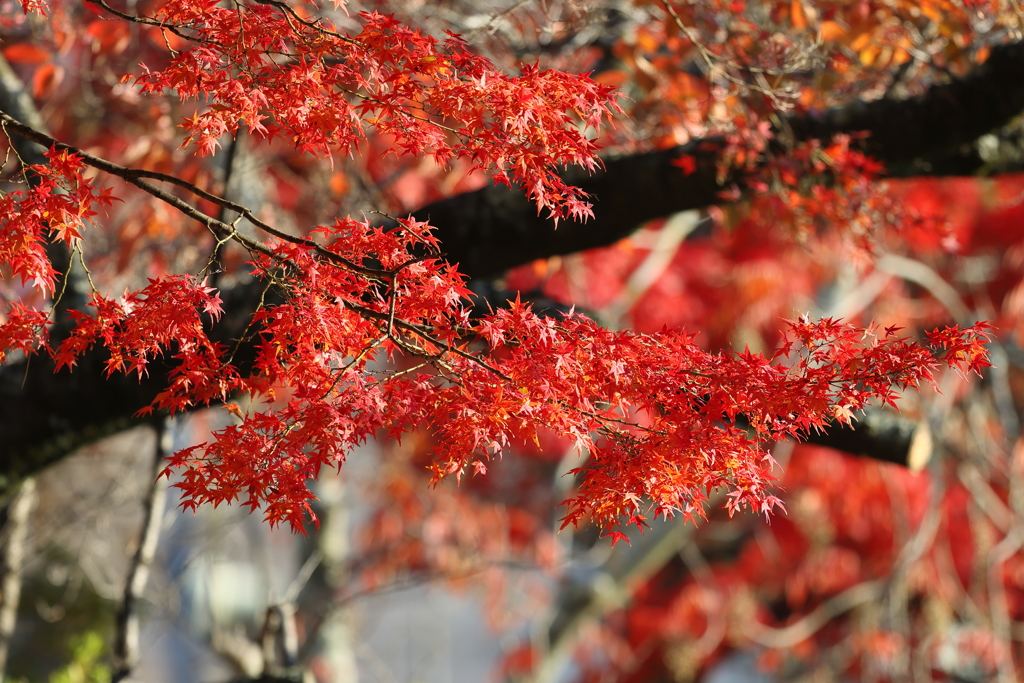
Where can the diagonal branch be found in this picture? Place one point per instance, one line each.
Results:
(792, 634)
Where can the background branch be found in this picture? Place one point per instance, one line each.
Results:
(14, 537)
(126, 639)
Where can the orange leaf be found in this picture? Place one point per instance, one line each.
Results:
(46, 79)
(869, 55)
(339, 183)
(861, 41)
(26, 53)
(111, 36)
(932, 12)
(831, 30)
(612, 77)
(796, 14)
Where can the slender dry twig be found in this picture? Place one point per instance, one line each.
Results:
(302, 578)
(987, 500)
(921, 274)
(717, 624)
(235, 149)
(1002, 621)
(492, 24)
(126, 640)
(290, 12)
(999, 609)
(711, 59)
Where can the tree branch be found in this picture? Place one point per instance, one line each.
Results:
(881, 435)
(792, 634)
(610, 586)
(137, 177)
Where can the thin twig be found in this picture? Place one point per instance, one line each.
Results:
(137, 178)
(713, 68)
(716, 628)
(235, 149)
(998, 605)
(921, 274)
(287, 10)
(173, 28)
(492, 24)
(1002, 620)
(302, 577)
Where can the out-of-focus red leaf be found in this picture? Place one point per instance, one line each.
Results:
(26, 53)
(46, 78)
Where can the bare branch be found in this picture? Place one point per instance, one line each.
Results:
(176, 30)
(627, 568)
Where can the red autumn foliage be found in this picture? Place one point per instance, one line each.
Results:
(367, 332)
(656, 413)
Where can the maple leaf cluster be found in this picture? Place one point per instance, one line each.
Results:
(280, 73)
(56, 207)
(656, 415)
(365, 331)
